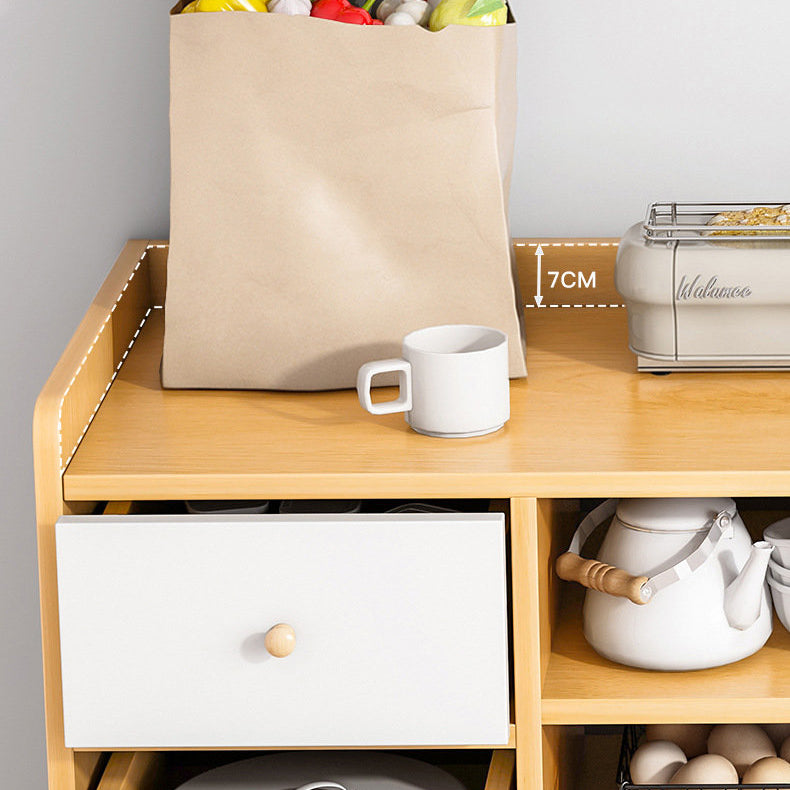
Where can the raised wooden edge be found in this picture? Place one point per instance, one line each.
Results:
(87, 367)
(565, 255)
(132, 771)
(558, 253)
(63, 412)
(157, 270)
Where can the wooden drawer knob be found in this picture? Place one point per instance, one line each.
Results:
(280, 640)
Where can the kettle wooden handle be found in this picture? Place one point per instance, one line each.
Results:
(600, 576)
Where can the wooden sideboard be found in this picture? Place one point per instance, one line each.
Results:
(584, 425)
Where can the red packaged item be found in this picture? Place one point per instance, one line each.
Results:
(343, 11)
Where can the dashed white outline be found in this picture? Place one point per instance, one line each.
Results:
(566, 244)
(535, 306)
(64, 465)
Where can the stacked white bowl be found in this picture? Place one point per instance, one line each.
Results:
(778, 535)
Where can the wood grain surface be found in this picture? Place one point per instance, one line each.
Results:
(584, 423)
(583, 688)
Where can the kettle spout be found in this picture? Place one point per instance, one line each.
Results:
(743, 597)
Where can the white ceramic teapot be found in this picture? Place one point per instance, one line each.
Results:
(677, 585)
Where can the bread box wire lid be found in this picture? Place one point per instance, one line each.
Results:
(674, 221)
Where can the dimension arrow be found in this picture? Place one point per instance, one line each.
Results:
(539, 256)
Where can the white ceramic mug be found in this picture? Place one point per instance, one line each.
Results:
(453, 381)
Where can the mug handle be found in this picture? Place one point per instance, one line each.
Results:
(365, 378)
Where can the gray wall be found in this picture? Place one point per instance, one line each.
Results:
(625, 101)
(621, 102)
(83, 167)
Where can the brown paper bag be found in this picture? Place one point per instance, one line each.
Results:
(334, 187)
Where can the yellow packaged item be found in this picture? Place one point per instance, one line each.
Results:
(225, 5)
(482, 13)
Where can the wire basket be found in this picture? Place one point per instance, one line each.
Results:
(632, 735)
(690, 222)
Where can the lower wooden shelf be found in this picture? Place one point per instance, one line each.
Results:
(583, 688)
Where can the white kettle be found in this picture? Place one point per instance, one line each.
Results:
(677, 585)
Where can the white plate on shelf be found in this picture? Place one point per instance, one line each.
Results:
(352, 770)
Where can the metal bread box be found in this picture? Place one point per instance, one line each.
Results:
(707, 286)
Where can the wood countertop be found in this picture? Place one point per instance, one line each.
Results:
(584, 423)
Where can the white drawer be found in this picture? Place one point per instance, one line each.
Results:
(400, 623)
